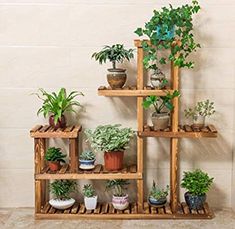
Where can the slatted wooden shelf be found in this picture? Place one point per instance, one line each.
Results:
(106, 211)
(99, 172)
(131, 91)
(185, 131)
(46, 131)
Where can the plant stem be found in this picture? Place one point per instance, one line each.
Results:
(114, 64)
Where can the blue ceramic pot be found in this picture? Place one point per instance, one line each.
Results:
(195, 202)
(157, 202)
(163, 32)
(87, 164)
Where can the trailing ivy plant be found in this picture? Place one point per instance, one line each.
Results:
(109, 137)
(88, 190)
(179, 22)
(202, 108)
(115, 53)
(160, 102)
(61, 189)
(158, 193)
(118, 186)
(57, 103)
(197, 182)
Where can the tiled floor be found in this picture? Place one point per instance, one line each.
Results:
(23, 218)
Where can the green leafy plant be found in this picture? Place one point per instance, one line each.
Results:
(118, 186)
(115, 53)
(202, 108)
(87, 155)
(61, 189)
(109, 138)
(57, 103)
(159, 103)
(197, 182)
(88, 190)
(158, 193)
(178, 20)
(54, 154)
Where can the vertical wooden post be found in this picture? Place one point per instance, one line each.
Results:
(73, 154)
(140, 119)
(174, 141)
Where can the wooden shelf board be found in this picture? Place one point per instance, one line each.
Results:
(98, 173)
(106, 211)
(40, 131)
(185, 131)
(132, 91)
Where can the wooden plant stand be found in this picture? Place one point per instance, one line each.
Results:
(140, 209)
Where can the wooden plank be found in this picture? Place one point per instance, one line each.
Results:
(153, 210)
(161, 211)
(185, 208)
(46, 208)
(205, 130)
(36, 128)
(188, 128)
(111, 209)
(146, 208)
(68, 129)
(104, 209)
(97, 169)
(201, 212)
(127, 210)
(63, 169)
(207, 209)
(73, 154)
(82, 209)
(44, 128)
(134, 208)
(89, 211)
(140, 195)
(37, 158)
(193, 211)
(168, 209)
(212, 128)
(75, 208)
(68, 210)
(97, 210)
(52, 210)
(124, 170)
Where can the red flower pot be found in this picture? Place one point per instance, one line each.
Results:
(113, 160)
(54, 165)
(60, 124)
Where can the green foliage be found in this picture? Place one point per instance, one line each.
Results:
(57, 103)
(88, 190)
(158, 193)
(87, 155)
(54, 154)
(61, 189)
(159, 103)
(202, 108)
(109, 137)
(114, 53)
(118, 186)
(180, 20)
(196, 182)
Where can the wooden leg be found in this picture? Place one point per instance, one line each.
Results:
(38, 196)
(73, 153)
(174, 175)
(140, 195)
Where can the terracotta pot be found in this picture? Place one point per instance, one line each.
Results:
(60, 124)
(116, 78)
(113, 160)
(54, 165)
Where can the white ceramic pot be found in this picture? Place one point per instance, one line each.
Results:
(199, 121)
(90, 202)
(160, 121)
(62, 204)
(120, 202)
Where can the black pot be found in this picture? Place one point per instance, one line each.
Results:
(195, 202)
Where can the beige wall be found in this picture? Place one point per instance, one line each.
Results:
(48, 43)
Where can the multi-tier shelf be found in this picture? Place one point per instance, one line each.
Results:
(140, 209)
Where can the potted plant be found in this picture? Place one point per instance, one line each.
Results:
(199, 113)
(197, 183)
(90, 197)
(87, 160)
(157, 196)
(158, 79)
(56, 104)
(165, 26)
(160, 117)
(120, 198)
(54, 156)
(61, 189)
(115, 54)
(112, 140)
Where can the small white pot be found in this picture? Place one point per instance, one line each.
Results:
(90, 202)
(199, 121)
(120, 202)
(62, 204)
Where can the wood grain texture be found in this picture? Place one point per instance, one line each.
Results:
(73, 155)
